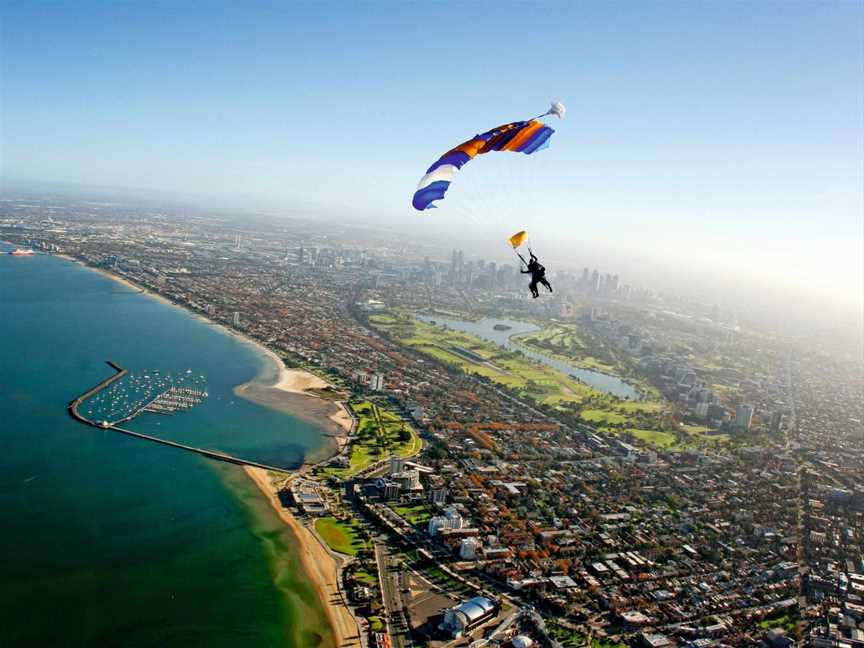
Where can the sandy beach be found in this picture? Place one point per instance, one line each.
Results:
(287, 390)
(319, 564)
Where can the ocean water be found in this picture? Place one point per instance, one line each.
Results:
(110, 540)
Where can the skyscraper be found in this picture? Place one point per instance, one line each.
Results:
(744, 416)
(594, 283)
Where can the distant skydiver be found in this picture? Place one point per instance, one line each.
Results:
(537, 272)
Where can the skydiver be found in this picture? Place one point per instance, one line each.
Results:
(538, 274)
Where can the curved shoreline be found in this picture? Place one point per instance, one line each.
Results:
(319, 566)
(322, 567)
(290, 381)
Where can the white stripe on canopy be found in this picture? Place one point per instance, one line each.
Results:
(444, 172)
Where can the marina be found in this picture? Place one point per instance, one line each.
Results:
(150, 391)
(174, 400)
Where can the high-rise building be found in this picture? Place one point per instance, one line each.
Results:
(776, 420)
(459, 268)
(408, 480)
(438, 495)
(594, 282)
(390, 491)
(397, 464)
(492, 273)
(468, 548)
(235, 320)
(377, 382)
(450, 520)
(744, 416)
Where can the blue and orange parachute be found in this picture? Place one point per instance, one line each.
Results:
(521, 137)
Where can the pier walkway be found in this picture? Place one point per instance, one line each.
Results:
(120, 372)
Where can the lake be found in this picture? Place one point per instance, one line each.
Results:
(485, 329)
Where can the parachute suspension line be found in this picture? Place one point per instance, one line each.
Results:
(470, 201)
(484, 204)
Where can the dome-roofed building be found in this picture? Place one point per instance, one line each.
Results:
(466, 616)
(521, 641)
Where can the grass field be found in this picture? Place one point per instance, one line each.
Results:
(414, 515)
(573, 639)
(379, 435)
(563, 342)
(686, 438)
(780, 620)
(365, 577)
(617, 416)
(340, 536)
(510, 369)
(699, 434)
(654, 438)
(376, 624)
(603, 416)
(382, 318)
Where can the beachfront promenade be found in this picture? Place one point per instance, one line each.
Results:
(120, 372)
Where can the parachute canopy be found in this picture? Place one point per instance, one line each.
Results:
(520, 137)
(518, 239)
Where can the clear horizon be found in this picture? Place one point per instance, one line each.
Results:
(725, 138)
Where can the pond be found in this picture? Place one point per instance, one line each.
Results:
(500, 331)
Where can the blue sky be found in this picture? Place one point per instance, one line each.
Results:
(728, 134)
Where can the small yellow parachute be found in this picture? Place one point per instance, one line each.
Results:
(518, 239)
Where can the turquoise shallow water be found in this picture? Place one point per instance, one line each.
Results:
(108, 540)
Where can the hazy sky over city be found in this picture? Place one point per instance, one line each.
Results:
(724, 136)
